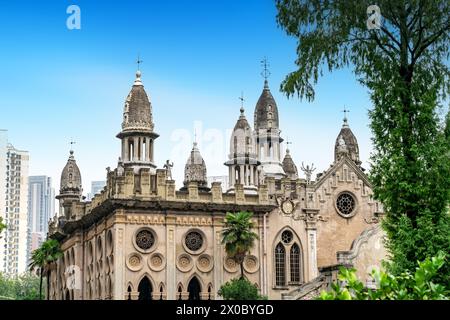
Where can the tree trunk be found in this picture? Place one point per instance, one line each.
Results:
(242, 269)
(40, 283)
(48, 284)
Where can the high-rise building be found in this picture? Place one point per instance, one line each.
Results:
(13, 207)
(41, 208)
(96, 187)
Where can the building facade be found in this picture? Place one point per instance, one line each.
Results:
(13, 207)
(41, 208)
(140, 238)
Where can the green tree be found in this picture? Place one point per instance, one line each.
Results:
(238, 236)
(403, 64)
(24, 287)
(43, 259)
(406, 286)
(2, 226)
(240, 289)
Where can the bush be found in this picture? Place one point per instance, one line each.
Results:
(240, 289)
(406, 286)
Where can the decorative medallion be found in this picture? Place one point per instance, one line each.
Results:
(230, 265)
(145, 239)
(156, 262)
(205, 263)
(287, 207)
(251, 264)
(184, 263)
(134, 262)
(193, 241)
(346, 204)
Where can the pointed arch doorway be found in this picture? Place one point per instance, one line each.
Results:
(145, 289)
(194, 289)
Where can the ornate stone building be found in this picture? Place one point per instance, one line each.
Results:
(140, 238)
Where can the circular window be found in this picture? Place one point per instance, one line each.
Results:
(145, 239)
(194, 241)
(286, 236)
(346, 204)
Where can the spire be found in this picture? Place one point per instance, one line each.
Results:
(346, 142)
(195, 170)
(138, 81)
(289, 166)
(242, 116)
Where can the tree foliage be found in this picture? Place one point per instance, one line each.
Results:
(404, 64)
(406, 286)
(42, 260)
(24, 287)
(2, 226)
(238, 236)
(240, 289)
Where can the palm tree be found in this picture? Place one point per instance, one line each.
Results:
(43, 259)
(238, 236)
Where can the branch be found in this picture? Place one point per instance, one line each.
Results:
(429, 41)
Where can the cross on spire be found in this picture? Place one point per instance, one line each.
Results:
(139, 61)
(72, 142)
(241, 98)
(265, 72)
(345, 111)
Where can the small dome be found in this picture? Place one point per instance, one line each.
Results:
(346, 143)
(195, 169)
(241, 143)
(71, 178)
(137, 112)
(289, 166)
(266, 111)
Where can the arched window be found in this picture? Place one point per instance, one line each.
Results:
(129, 293)
(161, 291)
(194, 289)
(145, 289)
(295, 263)
(280, 265)
(180, 291)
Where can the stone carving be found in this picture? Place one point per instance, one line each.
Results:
(230, 265)
(184, 263)
(346, 204)
(168, 166)
(194, 241)
(156, 262)
(145, 239)
(204, 263)
(251, 264)
(308, 171)
(134, 262)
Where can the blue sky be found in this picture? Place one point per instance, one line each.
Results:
(199, 56)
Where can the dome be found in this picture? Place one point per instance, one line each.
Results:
(137, 114)
(289, 166)
(266, 111)
(346, 143)
(71, 178)
(241, 143)
(195, 169)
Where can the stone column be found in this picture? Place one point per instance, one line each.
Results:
(218, 256)
(148, 156)
(171, 278)
(118, 290)
(241, 168)
(311, 231)
(135, 149)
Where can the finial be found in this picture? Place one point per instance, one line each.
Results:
(288, 143)
(242, 103)
(345, 111)
(139, 61)
(72, 142)
(265, 72)
(138, 81)
(195, 138)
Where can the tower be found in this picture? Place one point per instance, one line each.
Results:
(137, 129)
(346, 143)
(195, 170)
(70, 187)
(242, 163)
(267, 134)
